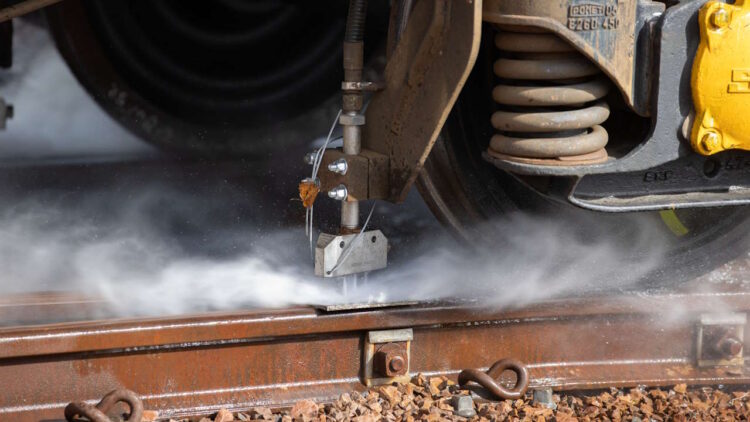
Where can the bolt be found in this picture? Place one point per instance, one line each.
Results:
(543, 396)
(463, 406)
(338, 193)
(711, 141)
(390, 360)
(310, 158)
(731, 346)
(339, 166)
(720, 18)
(397, 364)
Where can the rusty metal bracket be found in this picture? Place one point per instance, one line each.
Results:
(366, 176)
(720, 340)
(386, 356)
(423, 78)
(98, 412)
(488, 379)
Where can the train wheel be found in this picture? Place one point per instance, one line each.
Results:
(225, 76)
(476, 200)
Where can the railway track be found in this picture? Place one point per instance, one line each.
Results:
(193, 365)
(425, 121)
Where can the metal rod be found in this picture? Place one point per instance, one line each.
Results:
(20, 9)
(355, 21)
(352, 99)
(349, 214)
(352, 146)
(352, 139)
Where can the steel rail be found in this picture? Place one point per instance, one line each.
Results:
(196, 364)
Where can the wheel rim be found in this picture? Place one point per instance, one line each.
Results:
(220, 62)
(250, 77)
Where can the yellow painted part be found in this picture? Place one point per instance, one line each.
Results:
(721, 79)
(672, 221)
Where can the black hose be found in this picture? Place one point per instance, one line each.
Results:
(355, 21)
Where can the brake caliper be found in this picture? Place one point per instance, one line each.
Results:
(721, 78)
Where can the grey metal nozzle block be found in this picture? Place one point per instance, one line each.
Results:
(368, 253)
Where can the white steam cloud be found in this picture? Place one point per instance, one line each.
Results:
(132, 259)
(153, 250)
(53, 115)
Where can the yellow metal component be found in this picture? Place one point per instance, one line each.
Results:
(670, 218)
(721, 79)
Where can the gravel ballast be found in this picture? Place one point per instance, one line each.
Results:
(439, 399)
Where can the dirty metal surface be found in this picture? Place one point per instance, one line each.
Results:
(32, 308)
(366, 175)
(424, 76)
(197, 364)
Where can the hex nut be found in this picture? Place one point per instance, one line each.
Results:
(352, 119)
(720, 18)
(711, 141)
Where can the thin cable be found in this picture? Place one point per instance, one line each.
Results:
(310, 235)
(348, 248)
(319, 154)
(316, 166)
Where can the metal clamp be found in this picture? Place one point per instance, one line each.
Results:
(387, 356)
(720, 340)
(98, 413)
(362, 86)
(488, 379)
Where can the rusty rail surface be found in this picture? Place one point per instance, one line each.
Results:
(31, 308)
(196, 364)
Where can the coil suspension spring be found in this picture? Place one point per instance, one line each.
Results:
(551, 101)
